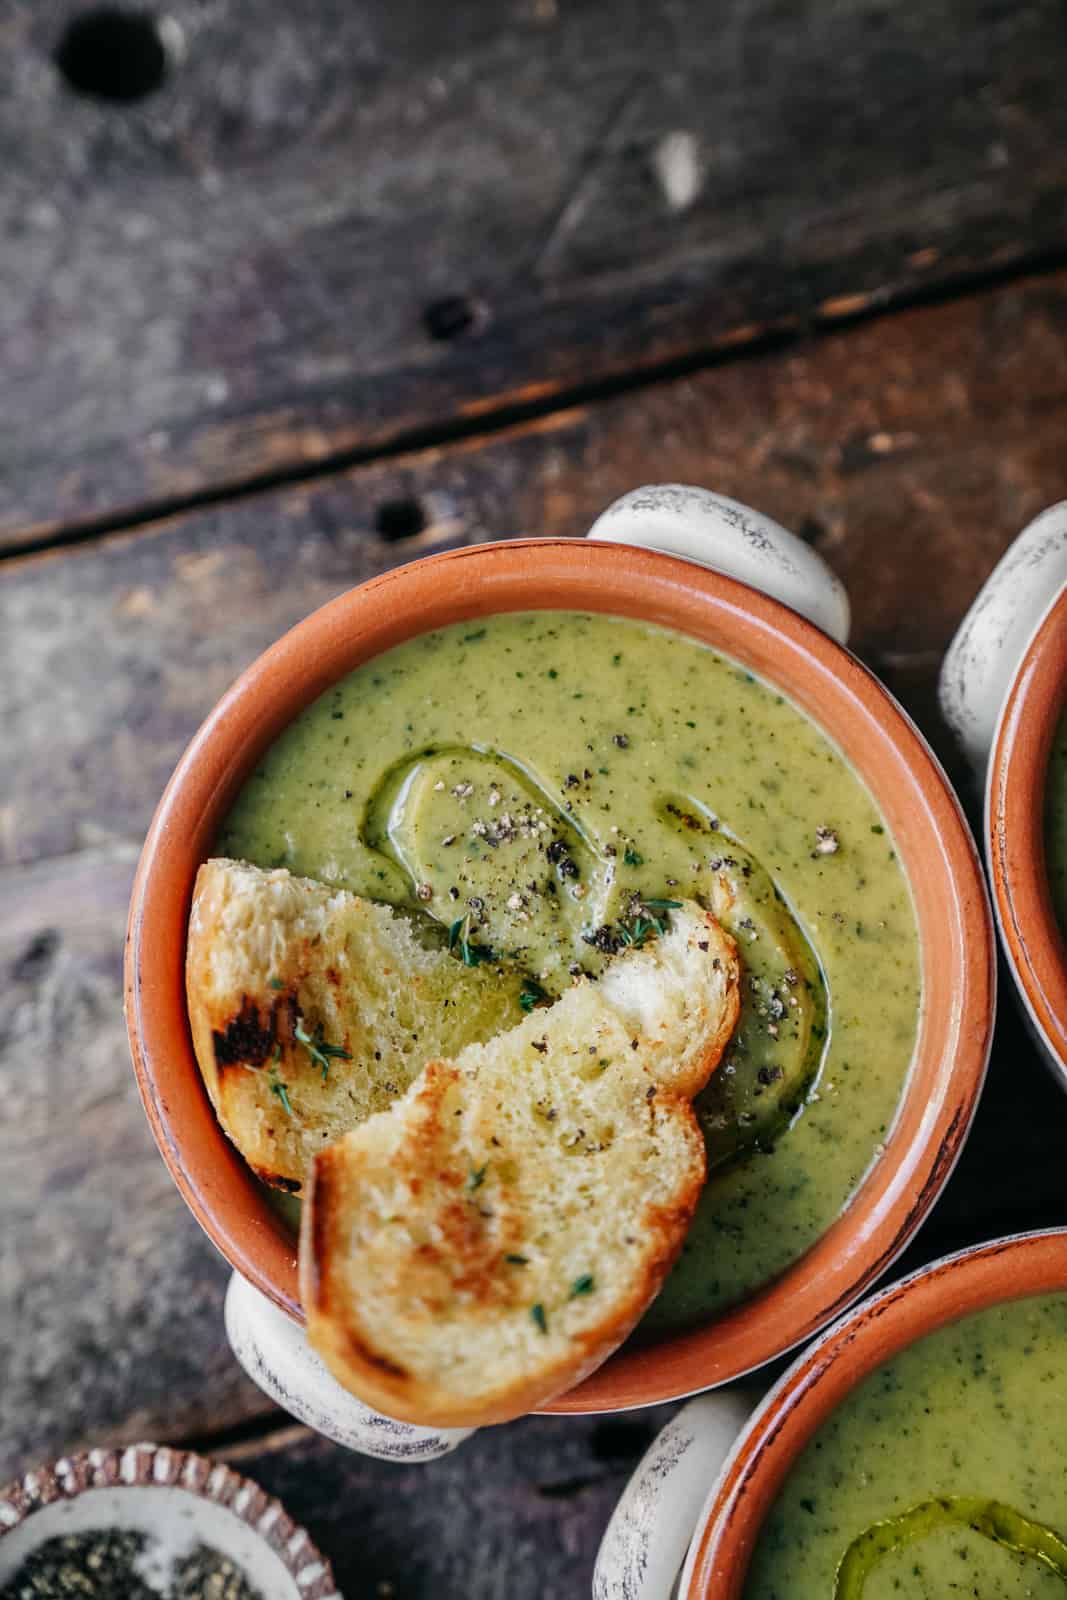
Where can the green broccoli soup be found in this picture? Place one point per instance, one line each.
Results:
(1056, 823)
(543, 787)
(943, 1474)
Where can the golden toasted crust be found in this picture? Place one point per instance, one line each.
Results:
(389, 1387)
(507, 1179)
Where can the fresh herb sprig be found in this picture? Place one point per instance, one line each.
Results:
(318, 1049)
(472, 955)
(645, 917)
(277, 1085)
(530, 995)
(645, 920)
(635, 933)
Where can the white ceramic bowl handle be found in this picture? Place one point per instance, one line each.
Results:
(644, 1548)
(990, 642)
(275, 1353)
(717, 532)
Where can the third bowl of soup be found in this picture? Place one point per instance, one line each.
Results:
(1004, 691)
(916, 1449)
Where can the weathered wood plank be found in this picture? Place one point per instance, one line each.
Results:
(516, 1511)
(111, 653)
(111, 1303)
(911, 450)
(232, 276)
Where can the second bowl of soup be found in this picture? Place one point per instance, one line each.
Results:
(916, 1449)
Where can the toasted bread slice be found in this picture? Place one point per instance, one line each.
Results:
(489, 1240)
(312, 1008)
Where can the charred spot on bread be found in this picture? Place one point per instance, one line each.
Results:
(362, 1351)
(247, 1040)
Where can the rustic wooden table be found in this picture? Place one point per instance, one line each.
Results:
(336, 286)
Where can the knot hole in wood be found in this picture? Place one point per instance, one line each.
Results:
(400, 519)
(110, 53)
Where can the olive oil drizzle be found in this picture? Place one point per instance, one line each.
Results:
(994, 1520)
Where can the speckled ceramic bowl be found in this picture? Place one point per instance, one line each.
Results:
(719, 1464)
(959, 1285)
(772, 640)
(179, 1500)
(1004, 690)
(1015, 832)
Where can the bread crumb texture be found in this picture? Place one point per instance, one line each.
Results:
(312, 1008)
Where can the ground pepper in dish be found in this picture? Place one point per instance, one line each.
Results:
(99, 1565)
(537, 785)
(206, 1574)
(115, 1564)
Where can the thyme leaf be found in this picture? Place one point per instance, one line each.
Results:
(530, 995)
(472, 955)
(278, 1087)
(318, 1049)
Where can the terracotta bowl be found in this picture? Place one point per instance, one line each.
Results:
(1015, 832)
(975, 1279)
(774, 642)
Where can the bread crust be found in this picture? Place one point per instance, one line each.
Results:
(388, 1387)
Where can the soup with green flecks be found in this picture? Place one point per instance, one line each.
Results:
(528, 780)
(943, 1474)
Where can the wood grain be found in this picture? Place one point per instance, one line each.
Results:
(517, 1511)
(112, 1300)
(910, 450)
(231, 278)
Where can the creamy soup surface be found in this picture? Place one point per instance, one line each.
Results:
(944, 1474)
(542, 786)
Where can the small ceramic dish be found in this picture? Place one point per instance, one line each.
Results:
(178, 1501)
(774, 640)
(719, 1465)
(1004, 691)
